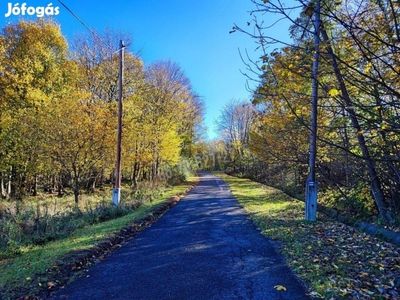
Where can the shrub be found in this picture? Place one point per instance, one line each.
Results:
(146, 195)
(357, 201)
(27, 226)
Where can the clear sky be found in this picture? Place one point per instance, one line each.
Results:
(194, 34)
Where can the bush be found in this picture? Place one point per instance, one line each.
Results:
(182, 171)
(146, 194)
(10, 236)
(27, 226)
(42, 220)
(356, 201)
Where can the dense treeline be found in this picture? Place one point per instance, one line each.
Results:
(58, 113)
(358, 161)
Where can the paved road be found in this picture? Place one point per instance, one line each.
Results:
(203, 248)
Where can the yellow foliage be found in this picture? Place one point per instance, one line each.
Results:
(368, 67)
(333, 92)
(62, 110)
(32, 67)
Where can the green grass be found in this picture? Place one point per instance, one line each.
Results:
(36, 266)
(335, 261)
(266, 206)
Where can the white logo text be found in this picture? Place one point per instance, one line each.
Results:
(39, 11)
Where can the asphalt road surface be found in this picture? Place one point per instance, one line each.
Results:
(205, 247)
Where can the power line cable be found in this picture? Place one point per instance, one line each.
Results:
(87, 27)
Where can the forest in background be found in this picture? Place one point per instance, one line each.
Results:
(58, 106)
(58, 112)
(58, 131)
(358, 159)
(58, 115)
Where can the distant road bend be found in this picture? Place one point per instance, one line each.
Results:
(203, 248)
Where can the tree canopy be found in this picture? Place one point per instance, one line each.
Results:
(58, 107)
(358, 107)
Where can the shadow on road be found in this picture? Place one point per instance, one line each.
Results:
(203, 248)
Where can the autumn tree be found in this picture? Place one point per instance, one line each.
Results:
(79, 138)
(369, 90)
(34, 69)
(218, 158)
(358, 107)
(97, 58)
(59, 110)
(173, 110)
(280, 136)
(234, 124)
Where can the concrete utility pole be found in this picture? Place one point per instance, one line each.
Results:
(117, 188)
(312, 186)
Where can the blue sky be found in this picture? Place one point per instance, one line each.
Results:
(194, 34)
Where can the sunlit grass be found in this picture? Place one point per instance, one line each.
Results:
(38, 259)
(321, 253)
(272, 210)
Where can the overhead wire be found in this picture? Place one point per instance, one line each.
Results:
(87, 27)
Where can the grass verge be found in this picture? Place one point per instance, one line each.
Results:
(40, 270)
(334, 260)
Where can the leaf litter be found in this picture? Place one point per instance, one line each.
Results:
(346, 263)
(335, 261)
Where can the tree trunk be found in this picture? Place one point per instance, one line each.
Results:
(76, 195)
(76, 185)
(135, 175)
(9, 183)
(51, 179)
(35, 185)
(375, 182)
(3, 189)
(60, 187)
